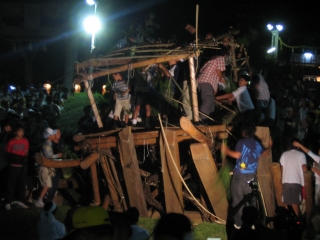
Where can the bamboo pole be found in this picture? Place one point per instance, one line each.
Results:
(95, 184)
(93, 103)
(161, 58)
(195, 107)
(88, 161)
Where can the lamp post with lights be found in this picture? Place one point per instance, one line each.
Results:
(274, 38)
(92, 25)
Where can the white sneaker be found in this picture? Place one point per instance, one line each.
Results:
(38, 203)
(7, 206)
(20, 204)
(236, 226)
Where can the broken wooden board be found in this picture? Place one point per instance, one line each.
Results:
(131, 172)
(172, 184)
(264, 173)
(187, 126)
(208, 173)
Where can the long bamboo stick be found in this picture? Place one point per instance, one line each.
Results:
(193, 84)
(83, 78)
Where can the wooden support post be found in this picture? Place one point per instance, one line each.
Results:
(208, 173)
(88, 161)
(171, 182)
(93, 104)
(95, 184)
(111, 184)
(277, 182)
(309, 198)
(193, 85)
(131, 172)
(264, 173)
(234, 63)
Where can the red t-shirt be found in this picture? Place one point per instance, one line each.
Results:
(18, 146)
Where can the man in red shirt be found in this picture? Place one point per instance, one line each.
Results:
(17, 150)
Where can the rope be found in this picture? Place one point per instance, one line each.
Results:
(181, 178)
(288, 46)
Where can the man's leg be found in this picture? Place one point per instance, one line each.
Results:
(207, 99)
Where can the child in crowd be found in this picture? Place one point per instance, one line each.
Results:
(17, 150)
(121, 95)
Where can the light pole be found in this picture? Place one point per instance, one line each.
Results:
(274, 38)
(92, 25)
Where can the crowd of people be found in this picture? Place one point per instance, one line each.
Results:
(28, 125)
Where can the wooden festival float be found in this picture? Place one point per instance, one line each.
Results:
(115, 151)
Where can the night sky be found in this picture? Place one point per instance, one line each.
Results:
(299, 21)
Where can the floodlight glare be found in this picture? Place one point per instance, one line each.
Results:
(271, 50)
(92, 24)
(308, 55)
(279, 27)
(270, 27)
(91, 2)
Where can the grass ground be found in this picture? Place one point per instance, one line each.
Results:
(22, 224)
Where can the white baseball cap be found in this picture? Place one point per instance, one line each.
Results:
(49, 132)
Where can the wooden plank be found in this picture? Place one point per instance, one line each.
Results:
(95, 184)
(208, 173)
(277, 182)
(172, 184)
(131, 172)
(309, 199)
(264, 174)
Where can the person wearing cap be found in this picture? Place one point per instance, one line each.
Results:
(48, 227)
(242, 97)
(45, 173)
(92, 222)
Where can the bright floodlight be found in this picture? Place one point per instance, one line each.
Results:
(279, 27)
(92, 24)
(270, 27)
(308, 55)
(271, 50)
(91, 2)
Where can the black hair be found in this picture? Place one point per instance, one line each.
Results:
(249, 129)
(174, 225)
(132, 215)
(245, 77)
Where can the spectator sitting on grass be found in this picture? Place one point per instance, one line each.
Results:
(48, 227)
(86, 223)
(173, 226)
(138, 233)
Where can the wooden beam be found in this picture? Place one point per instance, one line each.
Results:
(95, 184)
(131, 172)
(309, 199)
(48, 162)
(209, 176)
(172, 184)
(88, 161)
(277, 182)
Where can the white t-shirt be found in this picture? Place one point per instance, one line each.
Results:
(292, 162)
(243, 99)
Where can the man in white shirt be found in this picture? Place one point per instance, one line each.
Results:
(293, 164)
(243, 99)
